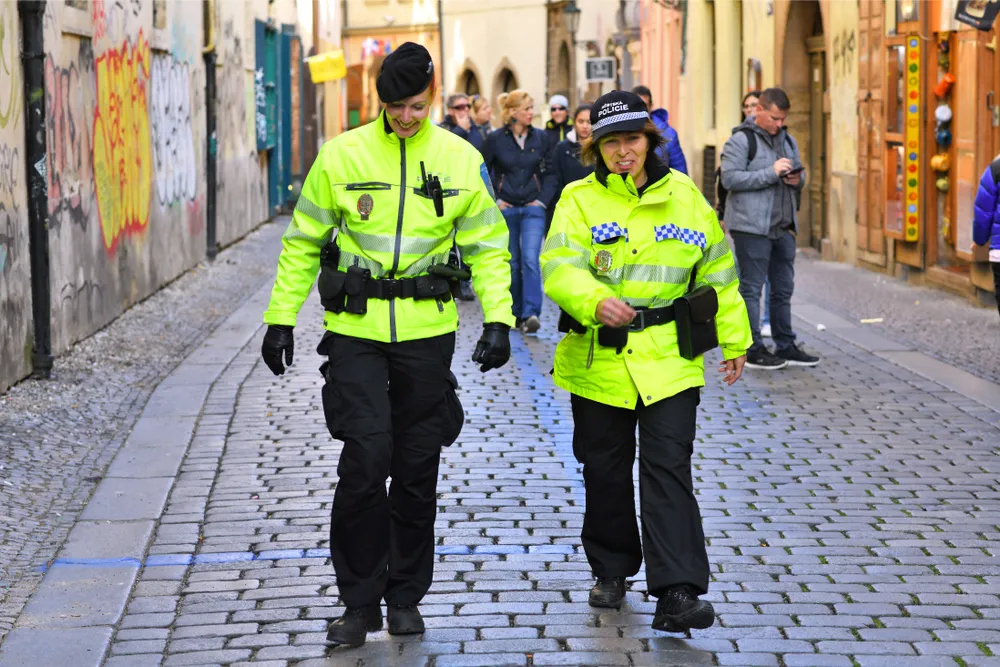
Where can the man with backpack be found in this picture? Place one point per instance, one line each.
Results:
(762, 179)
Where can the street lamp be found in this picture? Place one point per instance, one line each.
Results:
(571, 15)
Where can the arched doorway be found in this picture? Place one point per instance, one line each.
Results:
(561, 84)
(804, 78)
(468, 83)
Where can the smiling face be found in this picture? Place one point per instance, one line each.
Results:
(406, 115)
(559, 114)
(582, 125)
(625, 152)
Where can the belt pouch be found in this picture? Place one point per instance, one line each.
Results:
(429, 287)
(568, 323)
(354, 286)
(616, 337)
(331, 288)
(695, 314)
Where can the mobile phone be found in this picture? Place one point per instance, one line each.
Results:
(792, 172)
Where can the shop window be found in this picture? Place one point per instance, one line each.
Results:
(894, 187)
(896, 102)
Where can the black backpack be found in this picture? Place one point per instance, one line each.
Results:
(721, 193)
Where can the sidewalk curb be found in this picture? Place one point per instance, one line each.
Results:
(902, 354)
(71, 617)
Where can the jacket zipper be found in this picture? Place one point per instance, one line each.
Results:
(399, 235)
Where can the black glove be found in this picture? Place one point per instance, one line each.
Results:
(278, 339)
(493, 348)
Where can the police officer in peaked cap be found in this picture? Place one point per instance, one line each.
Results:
(378, 214)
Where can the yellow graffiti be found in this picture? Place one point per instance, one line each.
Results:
(122, 149)
(10, 84)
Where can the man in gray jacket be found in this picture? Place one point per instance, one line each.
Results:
(763, 174)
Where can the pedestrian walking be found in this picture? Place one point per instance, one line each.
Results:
(986, 226)
(515, 156)
(459, 120)
(558, 125)
(670, 152)
(763, 174)
(389, 393)
(481, 115)
(634, 252)
(565, 165)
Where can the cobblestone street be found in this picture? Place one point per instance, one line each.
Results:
(851, 512)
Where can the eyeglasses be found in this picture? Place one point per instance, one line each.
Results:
(558, 109)
(461, 107)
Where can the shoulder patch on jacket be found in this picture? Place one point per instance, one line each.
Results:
(689, 236)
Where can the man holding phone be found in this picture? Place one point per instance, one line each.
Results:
(763, 173)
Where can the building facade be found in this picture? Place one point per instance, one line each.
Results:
(127, 151)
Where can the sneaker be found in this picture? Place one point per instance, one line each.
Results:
(532, 325)
(608, 592)
(765, 330)
(465, 291)
(680, 610)
(763, 359)
(353, 627)
(519, 323)
(405, 620)
(796, 357)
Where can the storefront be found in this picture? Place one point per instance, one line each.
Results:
(929, 123)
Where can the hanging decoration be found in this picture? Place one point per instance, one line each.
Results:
(911, 190)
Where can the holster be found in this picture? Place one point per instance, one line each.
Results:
(356, 280)
(695, 315)
(606, 336)
(331, 279)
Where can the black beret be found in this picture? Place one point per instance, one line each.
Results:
(405, 72)
(617, 111)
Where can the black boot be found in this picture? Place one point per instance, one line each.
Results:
(352, 628)
(680, 610)
(405, 620)
(608, 592)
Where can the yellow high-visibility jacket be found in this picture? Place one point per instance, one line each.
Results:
(365, 186)
(606, 241)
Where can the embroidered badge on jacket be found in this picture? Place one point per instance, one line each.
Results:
(607, 231)
(365, 205)
(689, 236)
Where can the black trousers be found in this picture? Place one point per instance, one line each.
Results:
(394, 406)
(673, 541)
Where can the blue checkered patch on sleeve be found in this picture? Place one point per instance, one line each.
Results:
(607, 231)
(689, 236)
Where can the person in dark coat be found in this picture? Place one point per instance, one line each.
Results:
(558, 125)
(515, 157)
(671, 153)
(459, 120)
(481, 114)
(565, 165)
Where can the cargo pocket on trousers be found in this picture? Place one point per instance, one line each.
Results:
(454, 412)
(329, 393)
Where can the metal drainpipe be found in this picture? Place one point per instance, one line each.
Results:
(33, 63)
(212, 248)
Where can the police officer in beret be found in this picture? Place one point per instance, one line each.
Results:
(378, 214)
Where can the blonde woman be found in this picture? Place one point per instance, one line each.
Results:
(481, 115)
(515, 157)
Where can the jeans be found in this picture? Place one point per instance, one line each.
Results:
(767, 302)
(996, 281)
(526, 225)
(763, 259)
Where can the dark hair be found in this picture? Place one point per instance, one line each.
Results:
(643, 90)
(590, 152)
(774, 97)
(455, 97)
(752, 93)
(586, 106)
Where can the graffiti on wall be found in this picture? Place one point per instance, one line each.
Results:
(122, 140)
(68, 122)
(10, 68)
(260, 105)
(844, 87)
(173, 135)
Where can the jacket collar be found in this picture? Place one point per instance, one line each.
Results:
(657, 175)
(386, 133)
(509, 129)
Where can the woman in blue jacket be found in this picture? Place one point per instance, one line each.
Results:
(986, 226)
(515, 156)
